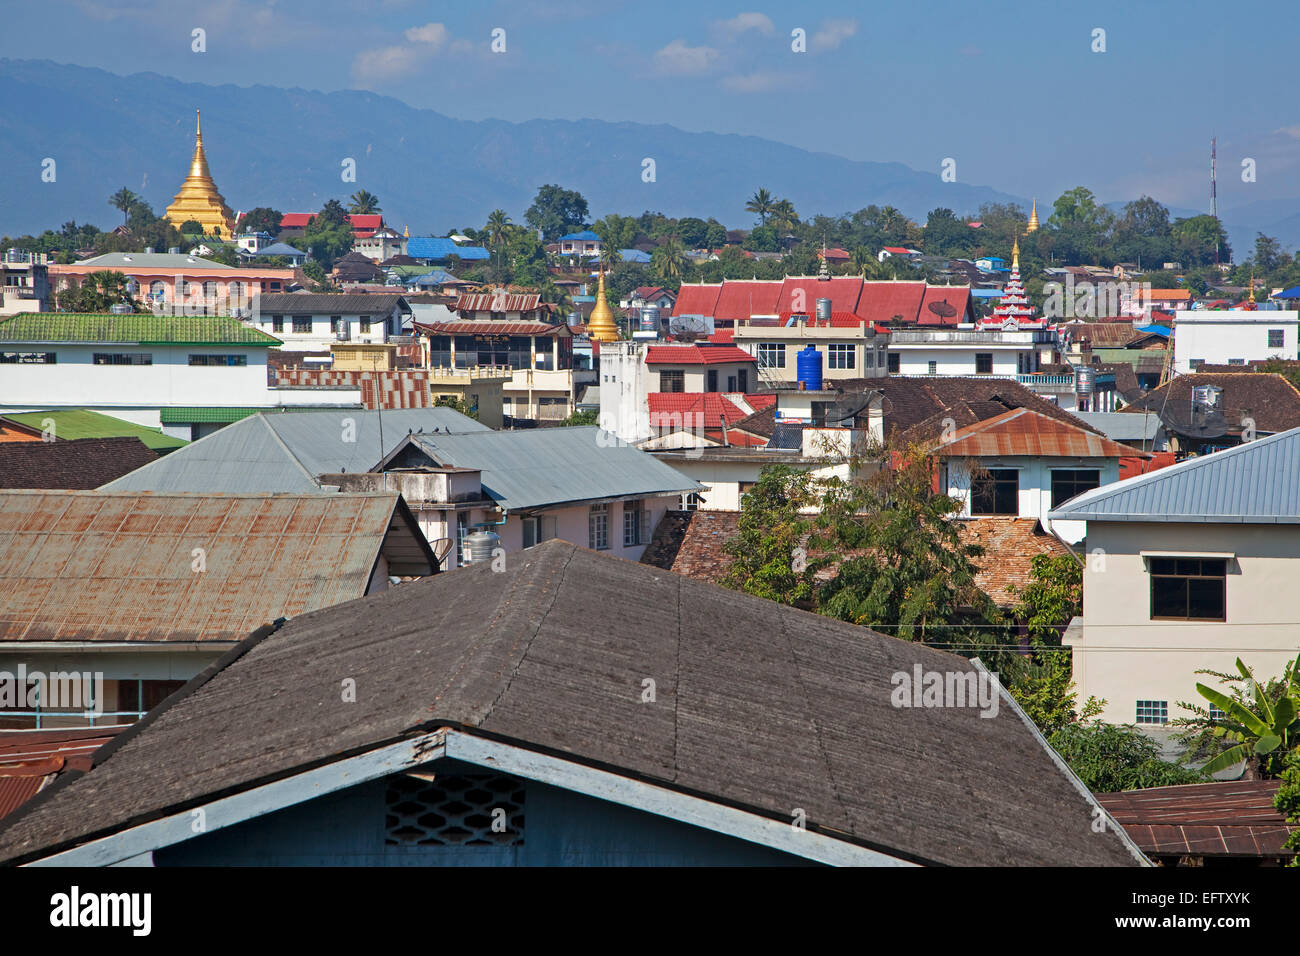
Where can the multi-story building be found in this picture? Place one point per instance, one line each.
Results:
(311, 322)
(1233, 337)
(26, 285)
(179, 283)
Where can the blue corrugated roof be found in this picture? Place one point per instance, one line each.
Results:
(1254, 483)
(1291, 293)
(634, 255)
(1160, 330)
(436, 277)
(280, 249)
(585, 236)
(438, 247)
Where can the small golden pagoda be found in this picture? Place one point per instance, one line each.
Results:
(199, 198)
(601, 325)
(1033, 218)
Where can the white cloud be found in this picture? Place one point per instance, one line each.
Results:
(678, 59)
(748, 21)
(832, 33)
(388, 64)
(432, 34)
(759, 82)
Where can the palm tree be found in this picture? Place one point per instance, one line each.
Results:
(124, 200)
(497, 230)
(782, 216)
(760, 205)
(364, 203)
(670, 259)
(610, 256)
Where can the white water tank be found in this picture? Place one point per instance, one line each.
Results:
(479, 546)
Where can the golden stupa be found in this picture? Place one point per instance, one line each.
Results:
(1033, 218)
(601, 325)
(199, 198)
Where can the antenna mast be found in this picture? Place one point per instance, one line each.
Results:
(1214, 193)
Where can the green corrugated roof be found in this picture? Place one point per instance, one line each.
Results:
(205, 415)
(81, 423)
(49, 327)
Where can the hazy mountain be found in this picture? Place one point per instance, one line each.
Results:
(284, 147)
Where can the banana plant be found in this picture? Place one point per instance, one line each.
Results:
(1259, 729)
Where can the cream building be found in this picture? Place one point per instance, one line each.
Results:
(1188, 568)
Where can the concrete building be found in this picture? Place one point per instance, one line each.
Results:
(26, 285)
(1188, 568)
(480, 387)
(1233, 337)
(182, 284)
(847, 349)
(308, 322)
(970, 351)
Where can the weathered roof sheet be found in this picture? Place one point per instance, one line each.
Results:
(94, 566)
(78, 463)
(65, 327)
(759, 706)
(1022, 431)
(285, 451)
(1010, 546)
(31, 759)
(1267, 398)
(1254, 483)
(531, 468)
(1122, 426)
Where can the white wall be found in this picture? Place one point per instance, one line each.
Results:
(960, 359)
(1218, 336)
(320, 338)
(624, 391)
(1123, 656)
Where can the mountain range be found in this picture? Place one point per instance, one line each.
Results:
(269, 146)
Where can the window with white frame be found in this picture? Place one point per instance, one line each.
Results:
(771, 355)
(841, 355)
(598, 528)
(1276, 338)
(635, 521)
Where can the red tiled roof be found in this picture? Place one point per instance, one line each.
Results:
(695, 355)
(741, 299)
(1024, 432)
(944, 305)
(650, 292)
(1165, 295)
(296, 220)
(489, 327)
(697, 299)
(1010, 546)
(908, 302)
(683, 409)
(723, 336)
(843, 291)
(363, 226)
(897, 250)
(498, 302)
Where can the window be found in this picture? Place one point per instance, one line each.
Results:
(771, 355)
(672, 381)
(158, 289)
(932, 368)
(1196, 364)
(365, 324)
(336, 324)
(1275, 338)
(122, 358)
(530, 532)
(219, 360)
(893, 363)
(302, 323)
(635, 520)
(692, 501)
(869, 358)
(731, 383)
(712, 378)
(1188, 589)
(235, 290)
(1240, 361)
(1067, 482)
(1153, 712)
(997, 492)
(598, 528)
(742, 380)
(742, 489)
(209, 290)
(841, 355)
(28, 358)
(277, 323)
(983, 363)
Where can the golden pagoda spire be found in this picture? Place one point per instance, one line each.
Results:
(199, 198)
(601, 325)
(1015, 253)
(1033, 218)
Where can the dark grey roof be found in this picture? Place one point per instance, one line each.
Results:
(759, 706)
(1123, 426)
(285, 451)
(375, 303)
(1254, 483)
(531, 468)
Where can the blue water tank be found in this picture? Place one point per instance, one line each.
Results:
(808, 366)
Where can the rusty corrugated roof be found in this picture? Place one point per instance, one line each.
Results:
(1024, 432)
(140, 566)
(31, 758)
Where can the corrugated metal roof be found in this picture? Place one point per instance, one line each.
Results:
(58, 327)
(93, 566)
(1025, 432)
(437, 247)
(1123, 426)
(285, 451)
(546, 466)
(1254, 483)
(498, 302)
(490, 327)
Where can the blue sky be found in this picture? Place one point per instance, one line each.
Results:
(1011, 90)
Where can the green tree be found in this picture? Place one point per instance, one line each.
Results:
(123, 200)
(314, 271)
(1042, 684)
(457, 403)
(768, 556)
(556, 211)
(1200, 241)
(191, 227)
(364, 203)
(331, 214)
(1258, 722)
(669, 260)
(497, 231)
(1109, 758)
(98, 292)
(621, 232)
(591, 417)
(1287, 801)
(760, 204)
(783, 217)
(1268, 253)
(328, 236)
(261, 219)
(946, 235)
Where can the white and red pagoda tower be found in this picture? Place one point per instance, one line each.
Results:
(1013, 310)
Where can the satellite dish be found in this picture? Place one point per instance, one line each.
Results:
(688, 327)
(942, 309)
(849, 405)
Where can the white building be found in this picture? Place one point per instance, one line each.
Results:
(970, 351)
(314, 322)
(26, 286)
(1189, 568)
(137, 367)
(1232, 337)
